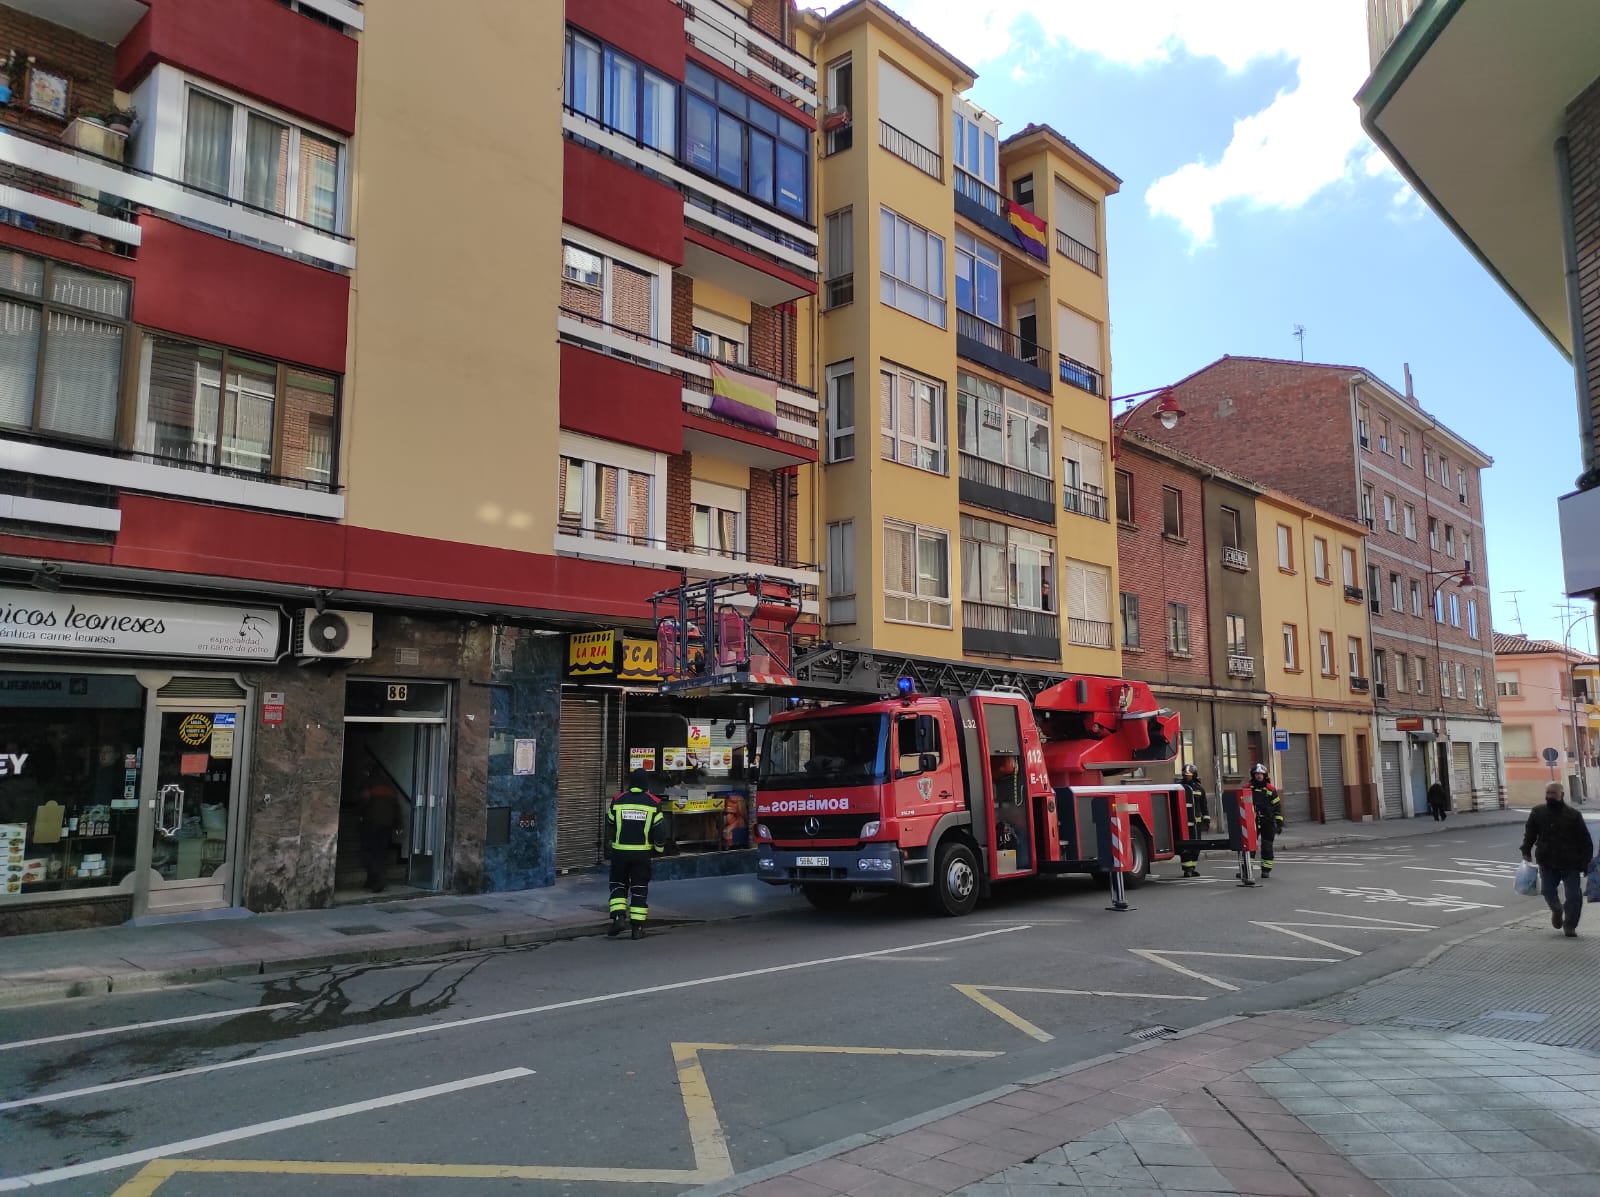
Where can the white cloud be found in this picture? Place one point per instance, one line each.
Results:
(1307, 138)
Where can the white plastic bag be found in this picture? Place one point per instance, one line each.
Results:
(1526, 881)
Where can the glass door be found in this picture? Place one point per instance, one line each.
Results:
(195, 808)
(428, 789)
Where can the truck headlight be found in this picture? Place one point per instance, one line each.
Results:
(868, 830)
(875, 864)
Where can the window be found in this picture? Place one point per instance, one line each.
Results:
(1466, 549)
(841, 378)
(717, 514)
(1416, 598)
(265, 162)
(1438, 606)
(1472, 618)
(1355, 654)
(1411, 522)
(62, 332)
(1477, 686)
(1444, 469)
(596, 287)
(1449, 540)
(1022, 191)
(1178, 629)
(841, 570)
(1427, 463)
(1517, 741)
(974, 149)
(1171, 511)
(977, 278)
(1319, 559)
(1380, 666)
(1237, 635)
(1374, 588)
(1396, 595)
(608, 492)
(1078, 217)
(1007, 567)
(1129, 607)
(717, 336)
(1088, 604)
(1285, 547)
(744, 144)
(912, 429)
(1228, 753)
(1401, 672)
(839, 283)
(218, 408)
(1433, 533)
(1405, 447)
(1461, 485)
(581, 267)
(841, 96)
(1364, 425)
(1325, 654)
(1368, 506)
(1383, 434)
(1124, 497)
(1083, 475)
(1291, 648)
(1078, 339)
(1444, 679)
(1455, 610)
(1461, 680)
(1388, 512)
(907, 106)
(1186, 751)
(916, 574)
(1232, 529)
(1419, 674)
(912, 277)
(1002, 426)
(1347, 564)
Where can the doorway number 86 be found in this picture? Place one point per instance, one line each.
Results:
(397, 693)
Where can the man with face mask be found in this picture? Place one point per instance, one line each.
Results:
(1560, 837)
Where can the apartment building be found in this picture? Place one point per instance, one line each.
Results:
(964, 322)
(1545, 691)
(1337, 438)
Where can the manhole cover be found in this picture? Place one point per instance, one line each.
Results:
(1515, 1016)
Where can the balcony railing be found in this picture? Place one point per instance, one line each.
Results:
(975, 189)
(1240, 665)
(732, 39)
(1085, 378)
(1000, 487)
(838, 291)
(574, 537)
(908, 148)
(990, 345)
(1084, 255)
(796, 404)
(1010, 631)
(1088, 633)
(1354, 593)
(1237, 559)
(1084, 500)
(1360, 685)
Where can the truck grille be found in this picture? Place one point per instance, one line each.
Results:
(828, 827)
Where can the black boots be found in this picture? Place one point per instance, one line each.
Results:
(638, 931)
(616, 925)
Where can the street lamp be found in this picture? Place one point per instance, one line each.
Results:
(1168, 412)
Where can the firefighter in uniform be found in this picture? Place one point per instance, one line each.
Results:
(637, 833)
(1269, 813)
(1196, 818)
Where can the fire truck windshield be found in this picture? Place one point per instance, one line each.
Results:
(848, 750)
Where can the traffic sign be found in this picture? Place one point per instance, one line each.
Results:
(1280, 739)
(1551, 756)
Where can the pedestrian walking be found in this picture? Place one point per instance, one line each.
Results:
(1197, 818)
(1438, 801)
(1268, 802)
(380, 815)
(637, 833)
(1557, 834)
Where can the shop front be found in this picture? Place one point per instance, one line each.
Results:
(124, 750)
(700, 754)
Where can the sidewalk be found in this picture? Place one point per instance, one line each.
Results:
(55, 965)
(1285, 1104)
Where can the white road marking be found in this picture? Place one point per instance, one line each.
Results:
(142, 1026)
(482, 1019)
(1448, 903)
(255, 1130)
(1363, 918)
(980, 994)
(1159, 956)
(1321, 943)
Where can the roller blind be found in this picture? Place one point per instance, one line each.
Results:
(1077, 216)
(1078, 337)
(907, 105)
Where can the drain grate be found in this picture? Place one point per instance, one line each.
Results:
(1150, 1033)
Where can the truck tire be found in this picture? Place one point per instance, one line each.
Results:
(955, 880)
(828, 897)
(1140, 872)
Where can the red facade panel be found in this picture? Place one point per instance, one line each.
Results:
(262, 49)
(619, 203)
(201, 285)
(749, 436)
(648, 30)
(802, 282)
(620, 401)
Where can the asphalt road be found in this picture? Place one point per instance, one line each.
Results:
(608, 1066)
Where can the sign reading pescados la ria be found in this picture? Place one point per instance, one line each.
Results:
(99, 623)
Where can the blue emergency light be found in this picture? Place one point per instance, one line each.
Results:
(905, 685)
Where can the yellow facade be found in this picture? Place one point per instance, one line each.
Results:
(455, 396)
(874, 336)
(1319, 665)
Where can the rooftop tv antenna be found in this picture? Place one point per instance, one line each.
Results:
(1516, 610)
(1299, 334)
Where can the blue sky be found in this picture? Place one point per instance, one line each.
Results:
(1253, 202)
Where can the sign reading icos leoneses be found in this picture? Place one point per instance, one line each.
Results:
(101, 623)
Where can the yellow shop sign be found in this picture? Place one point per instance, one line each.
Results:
(591, 654)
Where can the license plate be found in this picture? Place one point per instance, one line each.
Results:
(811, 862)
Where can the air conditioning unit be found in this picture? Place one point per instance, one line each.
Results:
(335, 634)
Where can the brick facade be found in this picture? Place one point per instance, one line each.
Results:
(88, 64)
(1159, 569)
(680, 517)
(772, 18)
(772, 340)
(683, 310)
(1583, 149)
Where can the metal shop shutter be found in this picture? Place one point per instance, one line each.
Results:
(1295, 784)
(1488, 795)
(1330, 755)
(582, 779)
(1461, 777)
(1391, 782)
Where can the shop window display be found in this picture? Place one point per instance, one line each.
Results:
(69, 775)
(700, 760)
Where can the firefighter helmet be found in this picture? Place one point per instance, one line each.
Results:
(1258, 770)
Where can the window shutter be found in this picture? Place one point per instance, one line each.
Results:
(1077, 216)
(1097, 594)
(82, 361)
(886, 412)
(1078, 337)
(1077, 592)
(19, 359)
(907, 105)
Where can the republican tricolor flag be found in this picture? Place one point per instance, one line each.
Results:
(745, 398)
(1031, 232)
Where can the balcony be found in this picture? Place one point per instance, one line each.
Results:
(48, 186)
(989, 345)
(1085, 378)
(574, 540)
(908, 149)
(982, 205)
(728, 36)
(1354, 594)
(1084, 255)
(1240, 665)
(1359, 685)
(1084, 500)
(1236, 559)
(1010, 632)
(796, 406)
(1006, 489)
(838, 291)
(1088, 633)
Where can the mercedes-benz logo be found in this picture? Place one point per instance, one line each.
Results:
(812, 826)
